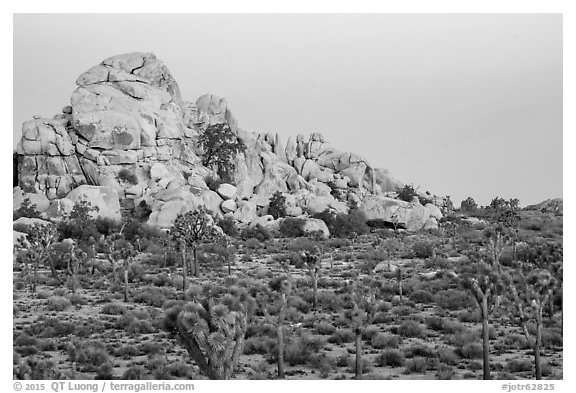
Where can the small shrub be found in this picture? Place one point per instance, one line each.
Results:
(325, 328)
(471, 351)
(370, 331)
(453, 299)
(416, 365)
(292, 227)
(277, 205)
(411, 329)
(390, 358)
(423, 249)
(519, 365)
(342, 336)
(445, 372)
(257, 232)
(448, 356)
(421, 296)
(127, 176)
(58, 303)
(113, 309)
(228, 226)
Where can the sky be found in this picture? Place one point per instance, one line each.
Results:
(457, 104)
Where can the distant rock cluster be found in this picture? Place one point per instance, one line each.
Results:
(129, 137)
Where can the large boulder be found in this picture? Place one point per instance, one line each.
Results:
(212, 201)
(228, 206)
(409, 215)
(23, 224)
(226, 191)
(267, 222)
(104, 198)
(40, 202)
(59, 208)
(246, 212)
(314, 225)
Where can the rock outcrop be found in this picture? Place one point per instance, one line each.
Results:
(128, 137)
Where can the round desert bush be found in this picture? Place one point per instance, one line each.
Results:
(299, 304)
(519, 365)
(257, 232)
(448, 356)
(325, 328)
(113, 309)
(411, 329)
(471, 351)
(370, 331)
(292, 227)
(445, 372)
(341, 336)
(453, 299)
(133, 373)
(228, 225)
(421, 296)
(423, 249)
(58, 303)
(25, 339)
(384, 340)
(390, 358)
(419, 350)
(127, 176)
(76, 299)
(416, 365)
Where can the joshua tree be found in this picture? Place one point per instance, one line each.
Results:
(33, 249)
(211, 326)
(485, 284)
(531, 288)
(399, 278)
(76, 258)
(190, 230)
(282, 286)
(126, 253)
(313, 262)
(120, 249)
(362, 315)
(496, 237)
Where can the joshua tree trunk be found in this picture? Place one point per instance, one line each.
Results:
(35, 276)
(195, 262)
(280, 335)
(315, 291)
(551, 303)
(538, 343)
(485, 338)
(126, 283)
(400, 278)
(184, 272)
(54, 273)
(358, 353)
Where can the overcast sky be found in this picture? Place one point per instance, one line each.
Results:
(458, 104)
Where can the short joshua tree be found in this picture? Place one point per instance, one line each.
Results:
(211, 324)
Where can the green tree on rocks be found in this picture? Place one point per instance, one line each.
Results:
(220, 145)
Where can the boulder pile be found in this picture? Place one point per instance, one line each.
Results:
(129, 138)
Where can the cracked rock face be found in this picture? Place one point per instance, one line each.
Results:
(128, 135)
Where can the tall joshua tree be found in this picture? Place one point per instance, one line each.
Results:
(485, 283)
(33, 249)
(281, 286)
(530, 289)
(366, 305)
(313, 262)
(211, 325)
(190, 230)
